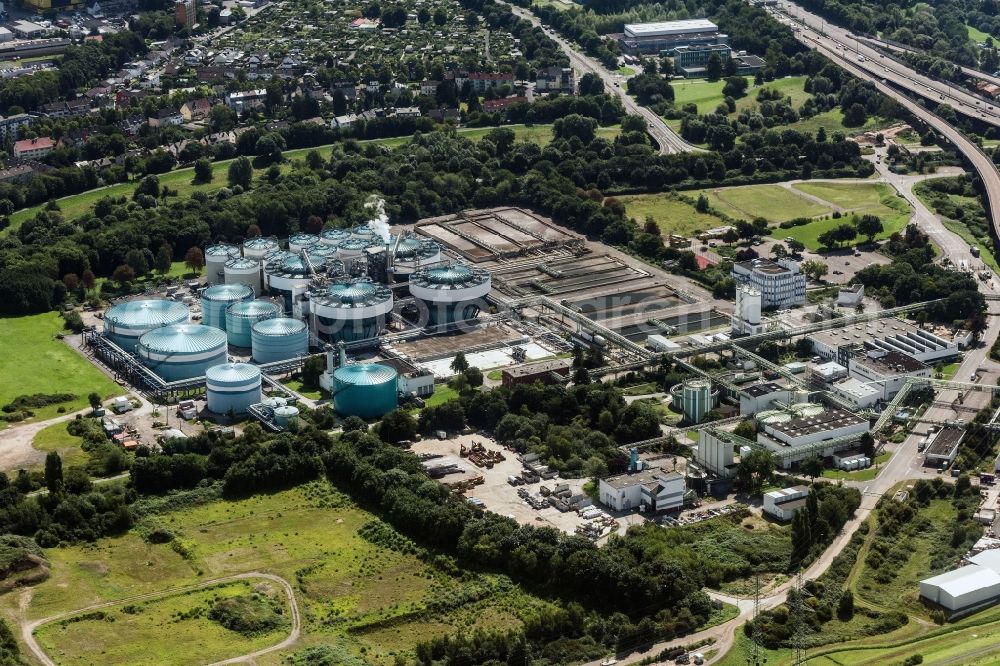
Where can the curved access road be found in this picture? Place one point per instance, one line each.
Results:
(28, 628)
(668, 140)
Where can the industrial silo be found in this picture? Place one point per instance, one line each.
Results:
(413, 252)
(299, 242)
(288, 277)
(368, 390)
(450, 292)
(349, 310)
(333, 237)
(279, 339)
(215, 300)
(257, 248)
(182, 351)
(232, 387)
(126, 322)
(240, 318)
(243, 271)
(216, 257)
(696, 399)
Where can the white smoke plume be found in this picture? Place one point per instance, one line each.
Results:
(380, 221)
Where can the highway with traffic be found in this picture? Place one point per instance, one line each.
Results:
(834, 47)
(667, 140)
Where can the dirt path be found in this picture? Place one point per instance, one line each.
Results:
(16, 451)
(28, 628)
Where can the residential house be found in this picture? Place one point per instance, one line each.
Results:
(195, 109)
(11, 125)
(494, 105)
(555, 79)
(73, 107)
(33, 148)
(166, 117)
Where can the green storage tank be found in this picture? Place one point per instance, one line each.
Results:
(240, 318)
(368, 390)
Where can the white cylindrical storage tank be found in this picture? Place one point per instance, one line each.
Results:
(232, 387)
(279, 339)
(363, 231)
(243, 271)
(182, 351)
(125, 323)
(350, 310)
(215, 300)
(352, 248)
(240, 318)
(287, 277)
(257, 248)
(333, 236)
(412, 252)
(450, 293)
(216, 257)
(299, 242)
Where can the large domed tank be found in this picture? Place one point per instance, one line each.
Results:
(257, 248)
(350, 310)
(279, 339)
(285, 414)
(807, 409)
(352, 248)
(333, 237)
(216, 257)
(215, 300)
(363, 231)
(232, 387)
(287, 276)
(125, 323)
(368, 390)
(182, 351)
(773, 416)
(243, 271)
(450, 293)
(299, 242)
(240, 318)
(413, 252)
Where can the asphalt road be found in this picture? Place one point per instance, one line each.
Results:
(968, 71)
(665, 138)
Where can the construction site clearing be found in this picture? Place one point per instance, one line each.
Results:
(496, 478)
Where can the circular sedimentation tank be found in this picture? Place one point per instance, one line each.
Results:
(368, 390)
(182, 351)
(216, 257)
(125, 323)
(232, 387)
(299, 242)
(350, 310)
(413, 252)
(242, 270)
(240, 318)
(450, 292)
(333, 236)
(279, 339)
(257, 248)
(215, 300)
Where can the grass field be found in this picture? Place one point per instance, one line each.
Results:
(171, 629)
(351, 593)
(180, 179)
(773, 202)
(708, 94)
(295, 384)
(33, 361)
(851, 198)
(56, 438)
(977, 35)
(672, 215)
(442, 394)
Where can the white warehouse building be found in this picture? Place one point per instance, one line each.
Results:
(968, 588)
(653, 489)
(887, 335)
(887, 371)
(780, 283)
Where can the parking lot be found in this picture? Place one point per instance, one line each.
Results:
(496, 493)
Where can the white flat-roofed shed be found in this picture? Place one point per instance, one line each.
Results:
(664, 28)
